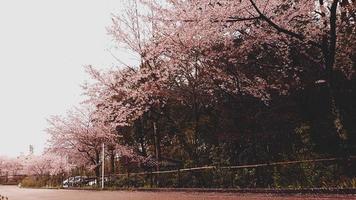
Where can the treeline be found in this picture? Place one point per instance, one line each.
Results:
(223, 83)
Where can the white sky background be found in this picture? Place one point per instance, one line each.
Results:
(44, 45)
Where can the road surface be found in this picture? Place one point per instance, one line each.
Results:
(15, 193)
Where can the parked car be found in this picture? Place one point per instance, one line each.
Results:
(94, 181)
(80, 180)
(75, 181)
(68, 182)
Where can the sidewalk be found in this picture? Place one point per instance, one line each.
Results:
(231, 190)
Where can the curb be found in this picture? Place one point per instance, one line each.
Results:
(351, 191)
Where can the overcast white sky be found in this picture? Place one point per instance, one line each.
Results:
(44, 45)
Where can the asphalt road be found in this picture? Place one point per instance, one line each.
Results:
(15, 193)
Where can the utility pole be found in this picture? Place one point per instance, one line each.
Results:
(103, 167)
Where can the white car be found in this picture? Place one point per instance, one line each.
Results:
(92, 182)
(68, 182)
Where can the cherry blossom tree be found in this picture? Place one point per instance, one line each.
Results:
(46, 164)
(242, 48)
(79, 137)
(10, 166)
(204, 24)
(123, 96)
(75, 138)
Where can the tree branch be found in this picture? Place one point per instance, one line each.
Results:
(279, 28)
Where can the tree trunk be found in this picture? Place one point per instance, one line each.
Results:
(112, 162)
(157, 150)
